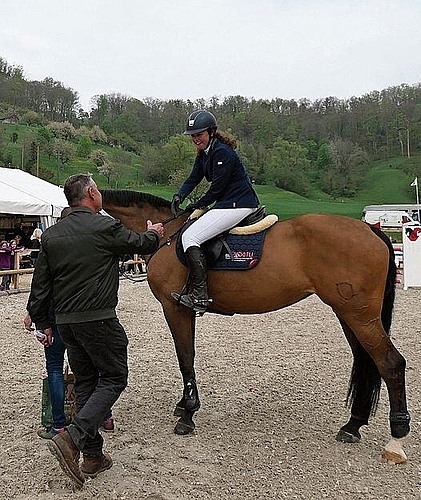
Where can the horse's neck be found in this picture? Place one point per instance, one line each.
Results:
(135, 218)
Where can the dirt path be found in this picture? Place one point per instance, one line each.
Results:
(272, 388)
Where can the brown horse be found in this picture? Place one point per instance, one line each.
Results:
(347, 263)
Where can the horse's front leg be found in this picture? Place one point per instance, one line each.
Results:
(182, 325)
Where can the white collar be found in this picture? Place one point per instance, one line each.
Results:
(210, 145)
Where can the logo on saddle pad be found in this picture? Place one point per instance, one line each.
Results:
(242, 256)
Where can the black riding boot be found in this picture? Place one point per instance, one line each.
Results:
(197, 299)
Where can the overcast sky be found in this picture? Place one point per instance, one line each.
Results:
(189, 49)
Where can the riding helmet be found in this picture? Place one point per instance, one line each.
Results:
(199, 121)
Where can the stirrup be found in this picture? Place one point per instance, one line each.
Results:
(198, 306)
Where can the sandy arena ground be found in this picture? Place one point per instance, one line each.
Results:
(272, 388)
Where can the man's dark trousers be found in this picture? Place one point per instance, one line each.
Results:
(97, 353)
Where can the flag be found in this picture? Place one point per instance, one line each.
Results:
(415, 183)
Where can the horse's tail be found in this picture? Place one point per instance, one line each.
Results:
(390, 287)
(364, 387)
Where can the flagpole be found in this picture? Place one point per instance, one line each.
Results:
(418, 197)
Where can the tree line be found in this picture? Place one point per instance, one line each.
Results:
(295, 144)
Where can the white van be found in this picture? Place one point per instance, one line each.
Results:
(388, 218)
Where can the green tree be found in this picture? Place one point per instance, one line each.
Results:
(84, 146)
(345, 171)
(177, 155)
(288, 166)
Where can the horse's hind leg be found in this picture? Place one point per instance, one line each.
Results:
(391, 367)
(182, 325)
(363, 392)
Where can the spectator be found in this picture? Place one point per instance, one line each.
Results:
(5, 265)
(19, 241)
(7, 256)
(78, 269)
(35, 246)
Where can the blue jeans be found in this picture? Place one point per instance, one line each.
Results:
(54, 357)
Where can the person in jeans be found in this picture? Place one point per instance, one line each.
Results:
(77, 269)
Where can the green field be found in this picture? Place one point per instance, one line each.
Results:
(383, 185)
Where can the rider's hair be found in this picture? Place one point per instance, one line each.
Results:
(222, 137)
(226, 139)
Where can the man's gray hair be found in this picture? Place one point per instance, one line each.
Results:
(76, 187)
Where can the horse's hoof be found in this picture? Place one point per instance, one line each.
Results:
(182, 428)
(347, 437)
(393, 458)
(393, 452)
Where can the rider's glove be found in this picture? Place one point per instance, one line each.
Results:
(191, 207)
(175, 204)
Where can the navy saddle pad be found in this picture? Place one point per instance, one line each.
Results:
(230, 251)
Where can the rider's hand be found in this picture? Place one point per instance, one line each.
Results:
(191, 207)
(175, 204)
(158, 227)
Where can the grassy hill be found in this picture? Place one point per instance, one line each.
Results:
(385, 182)
(383, 185)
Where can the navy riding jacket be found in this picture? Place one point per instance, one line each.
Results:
(230, 184)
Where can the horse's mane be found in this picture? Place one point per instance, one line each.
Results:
(126, 198)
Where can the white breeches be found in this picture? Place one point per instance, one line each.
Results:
(212, 223)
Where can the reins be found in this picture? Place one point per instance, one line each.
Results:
(148, 258)
(168, 240)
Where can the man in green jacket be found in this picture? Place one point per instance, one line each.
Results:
(77, 269)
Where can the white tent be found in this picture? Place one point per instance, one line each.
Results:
(24, 194)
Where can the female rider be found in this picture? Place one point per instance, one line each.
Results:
(230, 192)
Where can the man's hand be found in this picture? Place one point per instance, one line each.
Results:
(158, 227)
(27, 321)
(47, 340)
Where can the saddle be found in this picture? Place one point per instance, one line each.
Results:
(236, 249)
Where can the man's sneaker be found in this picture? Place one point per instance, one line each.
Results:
(64, 449)
(107, 425)
(93, 465)
(49, 432)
